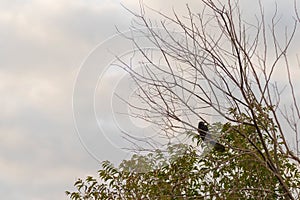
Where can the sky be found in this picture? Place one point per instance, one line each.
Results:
(53, 57)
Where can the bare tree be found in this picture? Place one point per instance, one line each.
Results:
(214, 65)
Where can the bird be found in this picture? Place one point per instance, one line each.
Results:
(202, 130)
(206, 137)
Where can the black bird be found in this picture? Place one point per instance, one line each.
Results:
(203, 132)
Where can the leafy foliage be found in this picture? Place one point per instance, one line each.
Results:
(258, 162)
(239, 173)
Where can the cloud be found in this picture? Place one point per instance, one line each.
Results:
(43, 44)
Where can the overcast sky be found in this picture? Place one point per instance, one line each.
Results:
(46, 46)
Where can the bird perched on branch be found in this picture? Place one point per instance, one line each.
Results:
(206, 137)
(202, 130)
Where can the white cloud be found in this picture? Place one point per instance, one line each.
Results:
(43, 43)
